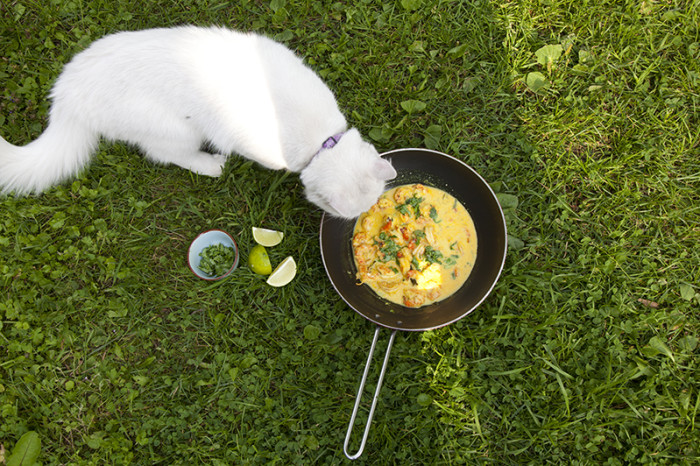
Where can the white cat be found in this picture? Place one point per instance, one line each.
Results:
(169, 91)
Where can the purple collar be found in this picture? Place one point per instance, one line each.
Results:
(329, 143)
(332, 141)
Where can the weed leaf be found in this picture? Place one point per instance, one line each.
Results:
(549, 54)
(670, 15)
(515, 243)
(458, 51)
(26, 451)
(470, 84)
(311, 332)
(275, 5)
(285, 36)
(312, 443)
(381, 134)
(688, 343)
(507, 201)
(424, 400)
(411, 5)
(413, 106)
(687, 292)
(95, 440)
(417, 46)
(657, 344)
(432, 137)
(535, 81)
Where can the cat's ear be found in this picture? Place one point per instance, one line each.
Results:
(384, 170)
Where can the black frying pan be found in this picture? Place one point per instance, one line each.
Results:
(449, 174)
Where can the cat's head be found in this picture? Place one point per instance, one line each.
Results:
(347, 179)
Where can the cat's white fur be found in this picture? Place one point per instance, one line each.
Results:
(168, 91)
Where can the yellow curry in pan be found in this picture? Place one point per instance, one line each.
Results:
(415, 246)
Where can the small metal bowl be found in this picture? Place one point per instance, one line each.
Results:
(203, 241)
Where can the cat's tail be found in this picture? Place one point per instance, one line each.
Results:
(60, 152)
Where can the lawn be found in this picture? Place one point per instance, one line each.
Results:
(583, 116)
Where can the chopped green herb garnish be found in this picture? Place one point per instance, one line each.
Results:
(433, 255)
(415, 264)
(216, 259)
(434, 215)
(452, 260)
(388, 247)
(414, 203)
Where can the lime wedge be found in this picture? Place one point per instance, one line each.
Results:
(259, 261)
(283, 273)
(267, 238)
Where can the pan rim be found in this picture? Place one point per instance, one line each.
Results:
(485, 294)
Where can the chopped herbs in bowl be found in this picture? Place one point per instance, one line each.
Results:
(216, 260)
(213, 255)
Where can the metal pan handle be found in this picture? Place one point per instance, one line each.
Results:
(361, 390)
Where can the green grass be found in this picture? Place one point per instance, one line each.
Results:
(584, 117)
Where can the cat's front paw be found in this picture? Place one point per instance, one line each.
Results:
(209, 164)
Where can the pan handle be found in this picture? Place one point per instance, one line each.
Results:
(374, 400)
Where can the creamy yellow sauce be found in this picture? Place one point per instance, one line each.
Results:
(415, 246)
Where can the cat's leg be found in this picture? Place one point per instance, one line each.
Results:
(186, 153)
(203, 163)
